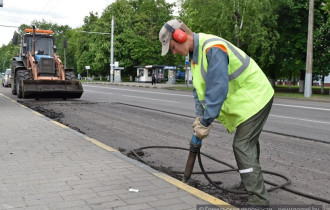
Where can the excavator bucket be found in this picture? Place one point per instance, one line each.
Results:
(52, 89)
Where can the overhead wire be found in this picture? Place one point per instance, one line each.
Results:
(8, 26)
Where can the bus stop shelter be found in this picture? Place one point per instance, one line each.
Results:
(144, 73)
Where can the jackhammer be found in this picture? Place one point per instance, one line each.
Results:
(195, 145)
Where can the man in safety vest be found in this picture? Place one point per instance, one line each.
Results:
(228, 86)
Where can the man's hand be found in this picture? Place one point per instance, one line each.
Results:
(197, 120)
(200, 130)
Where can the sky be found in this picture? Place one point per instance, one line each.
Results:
(63, 12)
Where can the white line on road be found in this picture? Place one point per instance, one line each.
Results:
(302, 107)
(97, 92)
(152, 99)
(141, 91)
(173, 94)
(293, 118)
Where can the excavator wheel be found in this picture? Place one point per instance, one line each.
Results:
(20, 76)
(13, 85)
(69, 75)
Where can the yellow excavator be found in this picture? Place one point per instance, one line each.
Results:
(38, 72)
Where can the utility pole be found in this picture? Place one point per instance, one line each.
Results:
(111, 54)
(309, 55)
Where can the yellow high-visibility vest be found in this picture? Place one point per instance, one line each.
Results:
(248, 91)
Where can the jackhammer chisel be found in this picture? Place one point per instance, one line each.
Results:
(195, 145)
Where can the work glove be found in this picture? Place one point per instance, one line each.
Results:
(198, 119)
(200, 130)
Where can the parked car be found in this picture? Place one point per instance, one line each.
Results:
(6, 79)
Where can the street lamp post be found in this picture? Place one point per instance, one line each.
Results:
(111, 54)
(111, 50)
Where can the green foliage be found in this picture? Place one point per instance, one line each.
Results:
(6, 56)
(293, 19)
(322, 39)
(249, 24)
(274, 33)
(137, 23)
(292, 45)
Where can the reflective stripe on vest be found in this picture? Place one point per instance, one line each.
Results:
(237, 72)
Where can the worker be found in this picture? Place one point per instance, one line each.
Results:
(153, 79)
(228, 86)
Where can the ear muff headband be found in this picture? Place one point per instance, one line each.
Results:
(178, 34)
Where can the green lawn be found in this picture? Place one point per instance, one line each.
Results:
(286, 92)
(319, 97)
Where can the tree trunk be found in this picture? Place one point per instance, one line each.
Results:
(302, 81)
(290, 81)
(272, 82)
(301, 86)
(322, 84)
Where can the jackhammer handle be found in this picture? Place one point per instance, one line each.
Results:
(195, 145)
(189, 166)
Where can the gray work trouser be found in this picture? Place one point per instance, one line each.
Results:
(247, 149)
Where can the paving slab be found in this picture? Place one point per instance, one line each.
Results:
(47, 165)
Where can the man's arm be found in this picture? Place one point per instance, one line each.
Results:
(216, 84)
(198, 106)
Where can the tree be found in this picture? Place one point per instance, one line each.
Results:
(80, 46)
(249, 24)
(322, 41)
(291, 47)
(137, 23)
(7, 52)
(271, 32)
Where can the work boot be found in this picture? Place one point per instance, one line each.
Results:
(238, 186)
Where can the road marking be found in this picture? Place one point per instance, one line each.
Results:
(302, 107)
(37, 113)
(294, 118)
(202, 195)
(173, 94)
(97, 92)
(106, 147)
(142, 91)
(59, 124)
(152, 99)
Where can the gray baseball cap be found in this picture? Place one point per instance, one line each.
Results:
(165, 35)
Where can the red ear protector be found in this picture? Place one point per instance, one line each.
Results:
(178, 34)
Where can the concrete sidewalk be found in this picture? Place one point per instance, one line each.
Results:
(46, 165)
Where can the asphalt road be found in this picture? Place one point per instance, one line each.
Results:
(127, 118)
(304, 119)
(296, 118)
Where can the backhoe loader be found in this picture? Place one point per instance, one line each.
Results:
(38, 72)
